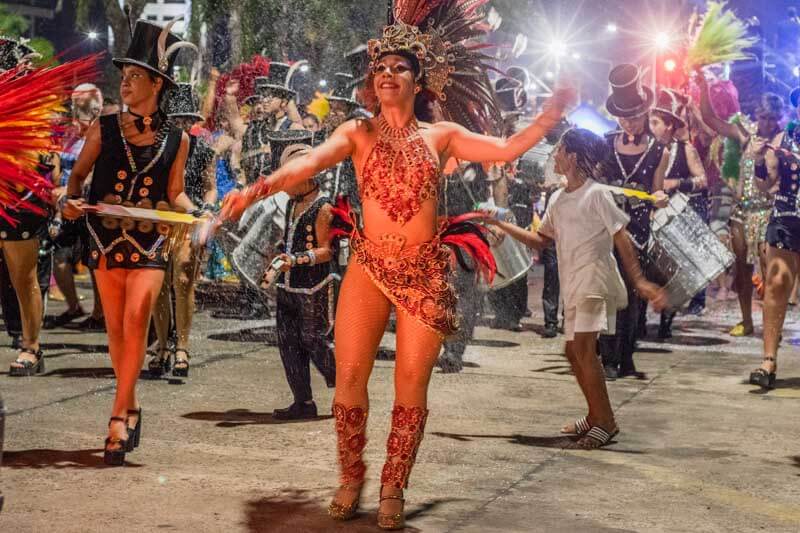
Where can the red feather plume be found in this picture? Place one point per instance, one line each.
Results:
(31, 121)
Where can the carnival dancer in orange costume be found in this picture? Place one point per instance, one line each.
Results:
(398, 255)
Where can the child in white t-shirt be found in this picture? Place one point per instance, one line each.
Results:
(584, 221)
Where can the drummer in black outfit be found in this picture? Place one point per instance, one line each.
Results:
(20, 290)
(685, 172)
(636, 160)
(138, 158)
(779, 164)
(305, 302)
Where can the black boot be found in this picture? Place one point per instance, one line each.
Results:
(296, 411)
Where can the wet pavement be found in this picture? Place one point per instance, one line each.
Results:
(700, 449)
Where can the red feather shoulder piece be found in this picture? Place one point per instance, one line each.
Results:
(31, 107)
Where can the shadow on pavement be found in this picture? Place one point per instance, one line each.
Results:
(297, 510)
(78, 348)
(265, 335)
(59, 459)
(94, 372)
(557, 442)
(493, 343)
(244, 417)
(692, 340)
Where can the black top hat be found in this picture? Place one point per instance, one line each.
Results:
(673, 104)
(358, 61)
(343, 89)
(183, 102)
(274, 83)
(12, 52)
(153, 48)
(280, 140)
(794, 97)
(511, 95)
(629, 98)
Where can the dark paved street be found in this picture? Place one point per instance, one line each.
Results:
(700, 450)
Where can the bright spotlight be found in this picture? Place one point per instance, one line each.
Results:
(557, 48)
(661, 40)
(611, 27)
(303, 68)
(576, 56)
(323, 83)
(669, 65)
(549, 75)
(796, 71)
(93, 35)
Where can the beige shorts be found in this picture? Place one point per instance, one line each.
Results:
(591, 314)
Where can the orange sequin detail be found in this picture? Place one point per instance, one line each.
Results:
(414, 279)
(400, 172)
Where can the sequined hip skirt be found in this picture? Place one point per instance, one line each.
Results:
(414, 278)
(755, 223)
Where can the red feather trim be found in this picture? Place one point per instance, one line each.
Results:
(31, 104)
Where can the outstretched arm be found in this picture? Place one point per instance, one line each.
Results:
(529, 238)
(726, 129)
(468, 146)
(339, 146)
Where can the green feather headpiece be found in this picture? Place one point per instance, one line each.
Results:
(720, 37)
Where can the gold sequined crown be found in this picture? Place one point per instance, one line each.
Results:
(431, 51)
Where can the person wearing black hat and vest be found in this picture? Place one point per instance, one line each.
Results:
(305, 307)
(200, 186)
(685, 172)
(635, 160)
(778, 164)
(21, 288)
(138, 157)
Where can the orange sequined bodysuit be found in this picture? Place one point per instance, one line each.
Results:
(400, 174)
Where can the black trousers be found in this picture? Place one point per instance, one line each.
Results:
(510, 303)
(467, 307)
(303, 328)
(617, 350)
(551, 292)
(8, 296)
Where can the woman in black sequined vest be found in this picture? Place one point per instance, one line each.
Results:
(138, 159)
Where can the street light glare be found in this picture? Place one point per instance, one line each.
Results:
(323, 83)
(93, 35)
(669, 65)
(557, 48)
(303, 68)
(611, 27)
(661, 40)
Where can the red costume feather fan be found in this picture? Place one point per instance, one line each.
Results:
(31, 107)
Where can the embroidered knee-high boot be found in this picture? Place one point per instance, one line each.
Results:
(408, 428)
(351, 432)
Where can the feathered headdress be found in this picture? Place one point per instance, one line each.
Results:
(30, 123)
(718, 38)
(441, 35)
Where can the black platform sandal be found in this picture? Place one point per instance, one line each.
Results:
(762, 378)
(180, 368)
(115, 457)
(27, 368)
(159, 364)
(134, 433)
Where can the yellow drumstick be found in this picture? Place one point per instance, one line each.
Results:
(153, 215)
(632, 193)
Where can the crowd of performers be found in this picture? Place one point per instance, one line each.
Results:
(400, 197)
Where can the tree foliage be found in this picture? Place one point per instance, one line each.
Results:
(320, 31)
(14, 25)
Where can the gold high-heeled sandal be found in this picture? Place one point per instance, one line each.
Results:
(394, 521)
(341, 512)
